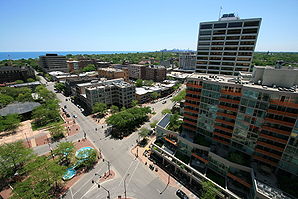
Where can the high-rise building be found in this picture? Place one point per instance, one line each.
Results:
(226, 46)
(187, 61)
(242, 129)
(53, 62)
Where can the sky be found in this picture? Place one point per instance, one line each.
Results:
(135, 25)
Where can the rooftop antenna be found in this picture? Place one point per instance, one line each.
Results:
(219, 12)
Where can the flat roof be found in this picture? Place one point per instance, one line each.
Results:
(18, 108)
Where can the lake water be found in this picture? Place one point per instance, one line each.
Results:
(27, 55)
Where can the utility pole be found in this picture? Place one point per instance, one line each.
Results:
(98, 185)
(125, 186)
(109, 166)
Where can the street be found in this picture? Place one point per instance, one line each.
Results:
(141, 182)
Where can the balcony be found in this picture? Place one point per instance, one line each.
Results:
(222, 135)
(192, 99)
(190, 116)
(190, 110)
(193, 85)
(268, 154)
(227, 108)
(229, 100)
(231, 93)
(171, 140)
(193, 92)
(286, 104)
(289, 124)
(223, 129)
(190, 122)
(226, 115)
(238, 179)
(276, 130)
(284, 113)
(225, 122)
(270, 146)
(221, 141)
(264, 160)
(273, 138)
(190, 104)
(204, 158)
(189, 127)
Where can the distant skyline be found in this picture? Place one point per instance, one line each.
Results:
(135, 25)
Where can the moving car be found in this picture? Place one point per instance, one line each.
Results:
(181, 194)
(75, 116)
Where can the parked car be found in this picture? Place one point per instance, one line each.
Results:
(75, 116)
(181, 194)
(164, 102)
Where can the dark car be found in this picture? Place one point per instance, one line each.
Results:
(181, 194)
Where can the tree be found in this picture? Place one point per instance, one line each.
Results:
(89, 67)
(209, 191)
(155, 95)
(181, 96)
(89, 162)
(153, 124)
(100, 108)
(143, 133)
(44, 176)
(134, 103)
(176, 86)
(5, 100)
(12, 158)
(19, 81)
(175, 122)
(44, 93)
(25, 97)
(139, 83)
(9, 122)
(148, 82)
(165, 111)
(46, 113)
(114, 109)
(57, 131)
(65, 150)
(60, 87)
(30, 80)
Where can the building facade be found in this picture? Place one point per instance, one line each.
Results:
(226, 46)
(53, 62)
(13, 73)
(112, 73)
(72, 65)
(241, 129)
(187, 61)
(155, 73)
(136, 71)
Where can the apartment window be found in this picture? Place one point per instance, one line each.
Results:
(220, 25)
(248, 37)
(235, 24)
(219, 32)
(201, 62)
(244, 54)
(230, 53)
(214, 63)
(217, 48)
(243, 59)
(215, 53)
(246, 48)
(217, 43)
(236, 31)
(202, 58)
(204, 43)
(251, 23)
(218, 38)
(229, 58)
(204, 38)
(232, 43)
(228, 63)
(250, 31)
(231, 48)
(203, 48)
(205, 32)
(206, 26)
(215, 58)
(247, 43)
(233, 37)
(226, 68)
(203, 53)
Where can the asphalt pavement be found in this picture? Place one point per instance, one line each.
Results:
(141, 182)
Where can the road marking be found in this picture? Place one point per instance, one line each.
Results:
(89, 190)
(132, 174)
(71, 193)
(85, 183)
(125, 173)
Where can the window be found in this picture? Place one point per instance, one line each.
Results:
(236, 31)
(220, 25)
(219, 32)
(218, 38)
(235, 24)
(205, 32)
(251, 23)
(232, 43)
(248, 37)
(233, 37)
(250, 31)
(206, 26)
(204, 38)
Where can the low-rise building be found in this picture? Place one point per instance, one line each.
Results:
(70, 84)
(111, 92)
(72, 65)
(13, 73)
(53, 62)
(187, 61)
(112, 73)
(155, 73)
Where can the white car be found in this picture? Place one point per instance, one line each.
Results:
(75, 116)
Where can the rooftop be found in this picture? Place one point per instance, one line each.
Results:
(18, 108)
(111, 69)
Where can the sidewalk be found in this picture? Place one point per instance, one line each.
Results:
(164, 176)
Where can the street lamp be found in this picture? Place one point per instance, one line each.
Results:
(169, 177)
(109, 164)
(98, 185)
(125, 186)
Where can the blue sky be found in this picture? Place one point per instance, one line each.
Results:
(135, 25)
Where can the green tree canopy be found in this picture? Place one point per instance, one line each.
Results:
(153, 124)
(143, 133)
(46, 113)
(89, 67)
(134, 103)
(155, 95)
(9, 122)
(114, 109)
(181, 96)
(12, 158)
(139, 83)
(100, 108)
(175, 122)
(30, 80)
(59, 86)
(64, 150)
(165, 111)
(5, 100)
(57, 131)
(89, 162)
(44, 93)
(19, 81)
(208, 190)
